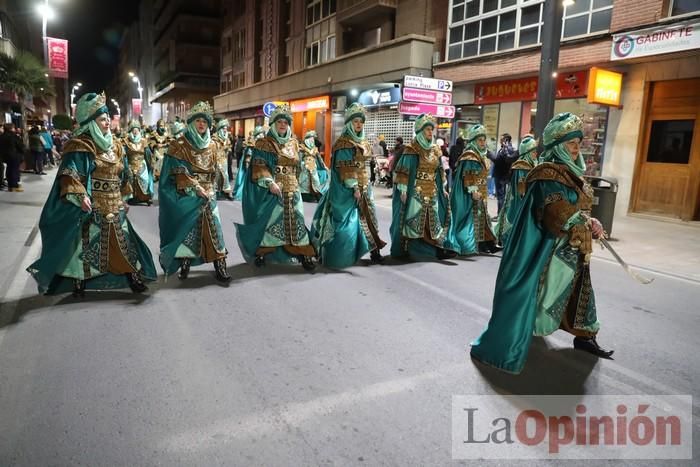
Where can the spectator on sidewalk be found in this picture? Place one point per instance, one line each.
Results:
(505, 157)
(36, 146)
(3, 185)
(47, 139)
(11, 150)
(455, 152)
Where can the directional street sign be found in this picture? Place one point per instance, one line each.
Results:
(427, 96)
(269, 107)
(441, 111)
(419, 82)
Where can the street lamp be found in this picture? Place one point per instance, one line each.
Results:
(75, 87)
(47, 13)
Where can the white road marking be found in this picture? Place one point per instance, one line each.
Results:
(615, 367)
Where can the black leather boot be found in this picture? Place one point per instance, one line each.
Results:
(78, 288)
(221, 272)
(591, 346)
(259, 261)
(376, 257)
(445, 254)
(135, 282)
(184, 268)
(307, 263)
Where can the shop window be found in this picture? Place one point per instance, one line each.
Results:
(595, 124)
(670, 141)
(683, 7)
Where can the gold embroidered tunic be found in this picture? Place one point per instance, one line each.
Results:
(196, 169)
(475, 177)
(140, 178)
(104, 236)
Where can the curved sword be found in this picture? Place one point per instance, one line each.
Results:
(639, 278)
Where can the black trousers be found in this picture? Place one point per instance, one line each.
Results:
(38, 161)
(501, 186)
(229, 156)
(13, 172)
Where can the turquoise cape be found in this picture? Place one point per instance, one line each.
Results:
(406, 213)
(241, 174)
(61, 226)
(263, 214)
(180, 216)
(513, 201)
(315, 181)
(336, 229)
(462, 228)
(537, 276)
(144, 176)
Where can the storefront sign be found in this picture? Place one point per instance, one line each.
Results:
(440, 111)
(673, 38)
(420, 82)
(136, 106)
(604, 87)
(314, 103)
(427, 96)
(57, 56)
(269, 107)
(572, 84)
(377, 97)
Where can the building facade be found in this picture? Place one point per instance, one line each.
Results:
(649, 141)
(320, 56)
(185, 38)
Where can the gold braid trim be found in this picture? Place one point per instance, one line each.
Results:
(470, 155)
(344, 142)
(180, 149)
(549, 171)
(557, 212)
(521, 164)
(260, 170)
(401, 174)
(268, 144)
(80, 143)
(183, 179)
(71, 183)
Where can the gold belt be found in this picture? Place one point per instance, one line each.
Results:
(106, 185)
(425, 176)
(285, 169)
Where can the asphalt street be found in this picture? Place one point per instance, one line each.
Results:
(353, 367)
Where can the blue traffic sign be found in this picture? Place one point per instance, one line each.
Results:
(268, 108)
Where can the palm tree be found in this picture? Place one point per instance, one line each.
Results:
(24, 75)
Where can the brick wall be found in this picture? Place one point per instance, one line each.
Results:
(525, 63)
(628, 14)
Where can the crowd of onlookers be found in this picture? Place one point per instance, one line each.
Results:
(34, 152)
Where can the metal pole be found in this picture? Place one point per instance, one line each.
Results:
(549, 61)
(44, 20)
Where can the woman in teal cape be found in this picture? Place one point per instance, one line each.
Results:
(273, 228)
(140, 165)
(313, 173)
(190, 226)
(222, 144)
(345, 224)
(420, 206)
(543, 281)
(87, 239)
(527, 160)
(471, 224)
(258, 133)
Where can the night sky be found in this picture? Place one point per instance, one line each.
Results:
(94, 29)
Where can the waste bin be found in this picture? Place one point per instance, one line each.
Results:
(604, 195)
